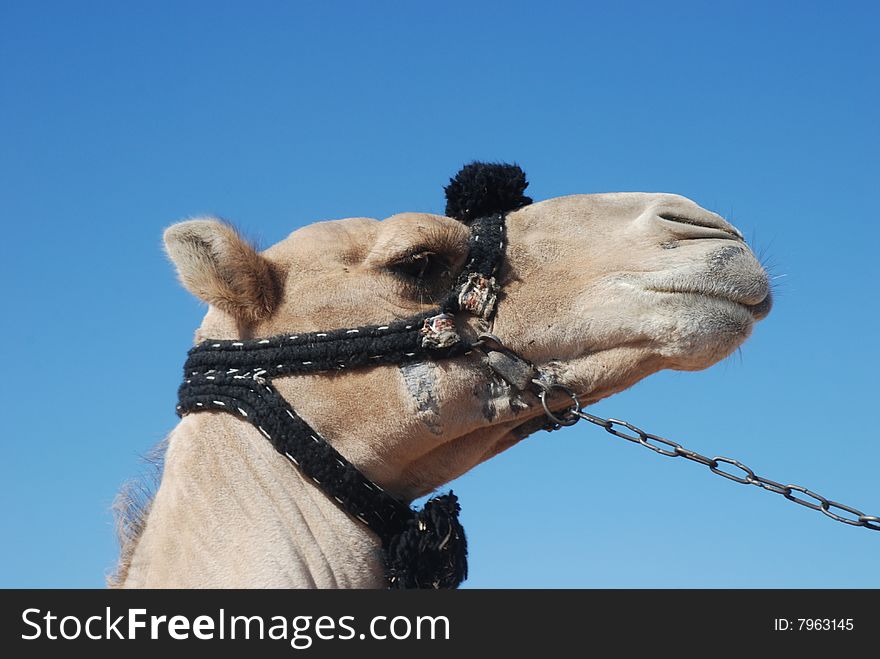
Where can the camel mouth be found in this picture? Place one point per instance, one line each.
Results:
(758, 310)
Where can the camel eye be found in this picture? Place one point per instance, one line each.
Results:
(420, 266)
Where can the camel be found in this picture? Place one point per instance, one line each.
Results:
(597, 290)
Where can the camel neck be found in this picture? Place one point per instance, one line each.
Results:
(231, 512)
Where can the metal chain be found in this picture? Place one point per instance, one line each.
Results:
(745, 476)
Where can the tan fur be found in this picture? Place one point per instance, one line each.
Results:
(598, 289)
(217, 266)
(131, 507)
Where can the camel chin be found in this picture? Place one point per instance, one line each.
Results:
(706, 310)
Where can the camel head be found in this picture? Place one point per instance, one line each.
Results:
(598, 290)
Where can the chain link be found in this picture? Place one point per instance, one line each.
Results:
(726, 467)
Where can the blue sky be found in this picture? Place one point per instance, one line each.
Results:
(120, 118)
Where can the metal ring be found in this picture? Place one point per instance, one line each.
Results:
(488, 336)
(568, 417)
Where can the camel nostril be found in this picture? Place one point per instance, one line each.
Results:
(715, 224)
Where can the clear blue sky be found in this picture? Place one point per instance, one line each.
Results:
(120, 118)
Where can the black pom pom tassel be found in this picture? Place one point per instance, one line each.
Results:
(482, 189)
(431, 551)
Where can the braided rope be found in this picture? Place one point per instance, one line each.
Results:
(422, 549)
(396, 342)
(485, 253)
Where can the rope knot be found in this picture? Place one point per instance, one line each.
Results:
(431, 549)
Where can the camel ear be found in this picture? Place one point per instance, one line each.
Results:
(216, 265)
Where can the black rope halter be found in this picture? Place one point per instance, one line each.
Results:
(421, 549)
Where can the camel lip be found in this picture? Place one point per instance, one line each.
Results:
(762, 309)
(758, 310)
